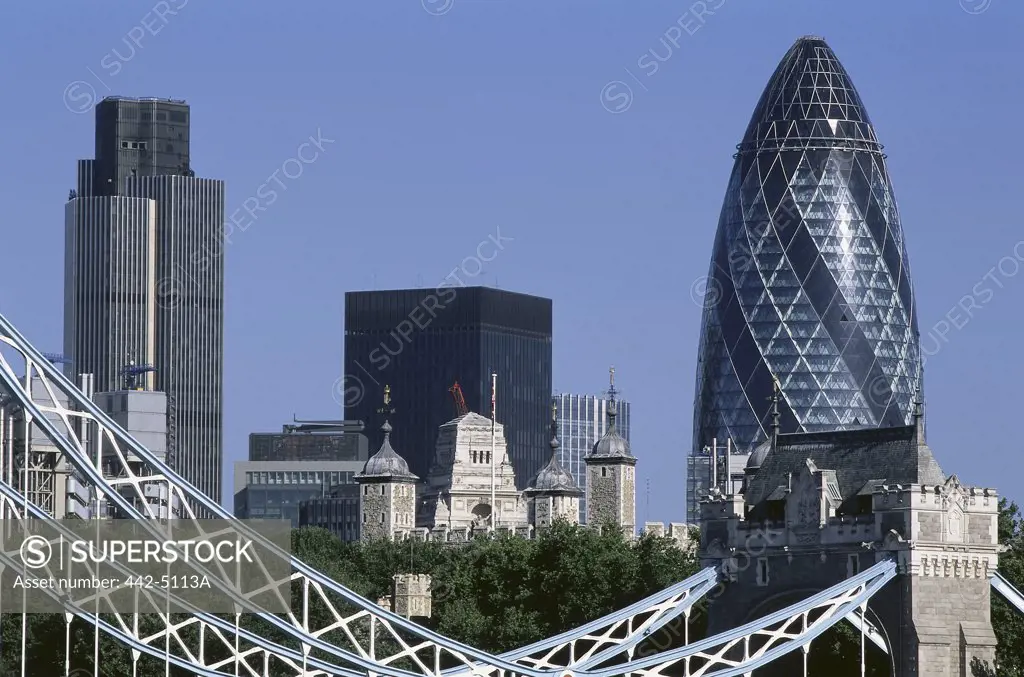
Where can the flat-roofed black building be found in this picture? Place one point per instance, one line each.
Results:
(421, 341)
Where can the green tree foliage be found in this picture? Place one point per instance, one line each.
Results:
(499, 594)
(1007, 621)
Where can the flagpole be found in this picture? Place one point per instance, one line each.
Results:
(494, 508)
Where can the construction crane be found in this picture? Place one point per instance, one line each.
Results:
(132, 372)
(460, 401)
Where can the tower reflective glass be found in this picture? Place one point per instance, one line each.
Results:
(809, 278)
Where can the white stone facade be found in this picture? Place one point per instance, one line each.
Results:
(457, 494)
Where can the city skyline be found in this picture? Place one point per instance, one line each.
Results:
(566, 179)
(394, 229)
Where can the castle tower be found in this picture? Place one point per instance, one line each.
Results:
(611, 476)
(387, 494)
(553, 493)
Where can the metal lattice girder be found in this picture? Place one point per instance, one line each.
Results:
(132, 467)
(616, 634)
(243, 645)
(128, 468)
(1006, 589)
(122, 469)
(256, 649)
(662, 607)
(754, 645)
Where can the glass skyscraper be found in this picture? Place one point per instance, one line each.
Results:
(144, 275)
(421, 341)
(809, 279)
(581, 421)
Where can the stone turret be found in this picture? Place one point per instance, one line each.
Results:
(387, 494)
(611, 476)
(553, 493)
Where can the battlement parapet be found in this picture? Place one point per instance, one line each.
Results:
(681, 532)
(935, 497)
(722, 507)
(411, 595)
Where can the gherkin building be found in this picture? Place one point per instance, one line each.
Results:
(809, 280)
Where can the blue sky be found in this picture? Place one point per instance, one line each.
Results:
(454, 118)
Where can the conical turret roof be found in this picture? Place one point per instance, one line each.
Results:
(612, 445)
(386, 463)
(553, 478)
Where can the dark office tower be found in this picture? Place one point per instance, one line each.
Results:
(421, 341)
(139, 137)
(809, 279)
(144, 275)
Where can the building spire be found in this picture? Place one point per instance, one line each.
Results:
(554, 430)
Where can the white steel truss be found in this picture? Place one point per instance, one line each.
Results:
(754, 645)
(1009, 593)
(338, 632)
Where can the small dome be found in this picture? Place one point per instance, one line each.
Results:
(756, 459)
(553, 477)
(612, 444)
(386, 462)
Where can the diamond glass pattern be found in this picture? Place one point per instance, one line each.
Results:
(809, 278)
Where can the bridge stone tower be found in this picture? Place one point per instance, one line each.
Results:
(611, 476)
(818, 508)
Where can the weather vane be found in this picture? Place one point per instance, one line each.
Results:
(386, 409)
(611, 382)
(554, 412)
